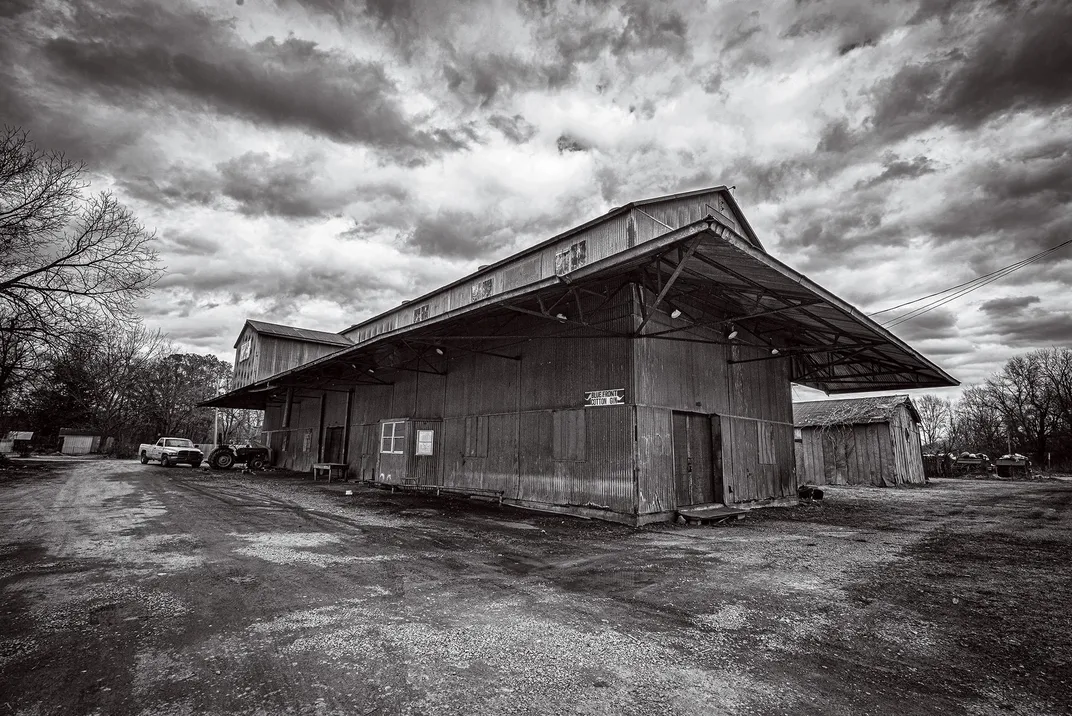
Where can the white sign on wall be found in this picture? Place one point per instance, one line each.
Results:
(614, 396)
(425, 439)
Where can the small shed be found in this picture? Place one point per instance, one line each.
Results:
(17, 441)
(858, 441)
(79, 442)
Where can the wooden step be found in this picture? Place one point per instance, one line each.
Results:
(710, 513)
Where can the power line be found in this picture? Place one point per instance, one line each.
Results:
(962, 289)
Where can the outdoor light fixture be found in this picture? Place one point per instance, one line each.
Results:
(732, 334)
(371, 370)
(561, 316)
(439, 351)
(774, 351)
(675, 313)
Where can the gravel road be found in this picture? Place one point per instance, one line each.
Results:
(130, 589)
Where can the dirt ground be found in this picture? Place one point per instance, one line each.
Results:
(131, 589)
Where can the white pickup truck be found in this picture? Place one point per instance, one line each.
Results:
(171, 451)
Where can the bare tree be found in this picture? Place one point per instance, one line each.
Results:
(65, 258)
(935, 413)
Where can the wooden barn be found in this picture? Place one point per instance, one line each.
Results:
(858, 441)
(626, 368)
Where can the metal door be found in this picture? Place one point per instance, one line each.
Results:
(697, 459)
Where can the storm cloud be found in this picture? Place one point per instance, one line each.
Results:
(315, 162)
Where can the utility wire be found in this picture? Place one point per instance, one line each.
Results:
(962, 289)
(980, 282)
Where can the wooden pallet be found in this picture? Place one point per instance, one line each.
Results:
(710, 514)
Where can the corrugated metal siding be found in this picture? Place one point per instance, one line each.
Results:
(539, 481)
(655, 459)
(556, 372)
(477, 384)
(425, 469)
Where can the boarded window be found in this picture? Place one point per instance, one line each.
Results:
(393, 437)
(476, 436)
(766, 443)
(481, 290)
(245, 350)
(570, 438)
(571, 258)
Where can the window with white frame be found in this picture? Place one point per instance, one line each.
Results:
(392, 437)
(245, 349)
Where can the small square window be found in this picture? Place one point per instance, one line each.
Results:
(393, 437)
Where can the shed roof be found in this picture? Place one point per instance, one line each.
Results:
(297, 334)
(19, 435)
(850, 411)
(711, 275)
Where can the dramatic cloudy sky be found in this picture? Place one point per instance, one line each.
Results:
(314, 162)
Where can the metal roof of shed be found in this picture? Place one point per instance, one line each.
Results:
(294, 333)
(850, 411)
(715, 276)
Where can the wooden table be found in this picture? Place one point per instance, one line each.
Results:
(331, 469)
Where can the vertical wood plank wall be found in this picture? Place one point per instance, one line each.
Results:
(880, 454)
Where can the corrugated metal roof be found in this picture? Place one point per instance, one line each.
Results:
(299, 334)
(19, 435)
(849, 411)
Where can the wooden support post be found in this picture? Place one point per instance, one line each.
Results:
(287, 407)
(320, 429)
(346, 426)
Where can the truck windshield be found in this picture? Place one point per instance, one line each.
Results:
(178, 442)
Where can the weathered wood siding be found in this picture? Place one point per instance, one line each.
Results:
(273, 354)
(881, 454)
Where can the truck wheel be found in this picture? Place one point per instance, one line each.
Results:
(255, 463)
(223, 461)
(164, 462)
(144, 458)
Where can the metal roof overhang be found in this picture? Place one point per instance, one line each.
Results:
(715, 277)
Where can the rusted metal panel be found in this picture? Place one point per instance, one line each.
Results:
(605, 480)
(538, 480)
(655, 459)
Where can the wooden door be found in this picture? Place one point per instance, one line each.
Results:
(697, 461)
